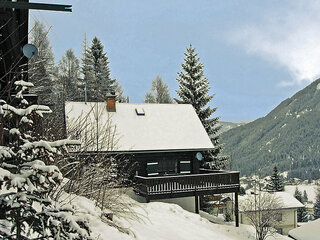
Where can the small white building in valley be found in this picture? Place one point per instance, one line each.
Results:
(284, 208)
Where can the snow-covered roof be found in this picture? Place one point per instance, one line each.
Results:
(288, 200)
(284, 199)
(308, 231)
(162, 127)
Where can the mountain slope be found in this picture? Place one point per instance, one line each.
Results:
(289, 137)
(226, 126)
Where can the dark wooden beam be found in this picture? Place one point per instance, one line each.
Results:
(196, 198)
(13, 36)
(36, 6)
(236, 208)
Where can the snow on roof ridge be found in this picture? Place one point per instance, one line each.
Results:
(164, 126)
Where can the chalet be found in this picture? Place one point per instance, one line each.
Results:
(167, 142)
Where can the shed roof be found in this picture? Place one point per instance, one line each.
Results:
(144, 127)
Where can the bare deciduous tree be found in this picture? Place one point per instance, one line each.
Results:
(262, 212)
(93, 171)
(159, 92)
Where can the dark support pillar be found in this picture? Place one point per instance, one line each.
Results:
(147, 199)
(196, 203)
(1, 129)
(236, 209)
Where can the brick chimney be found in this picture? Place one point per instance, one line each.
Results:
(111, 102)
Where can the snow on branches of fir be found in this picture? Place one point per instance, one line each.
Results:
(28, 176)
(194, 89)
(275, 183)
(316, 207)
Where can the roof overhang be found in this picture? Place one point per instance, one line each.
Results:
(145, 151)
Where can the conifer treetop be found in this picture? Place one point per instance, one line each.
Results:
(194, 89)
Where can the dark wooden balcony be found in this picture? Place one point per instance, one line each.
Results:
(204, 183)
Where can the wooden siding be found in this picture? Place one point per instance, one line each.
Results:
(181, 159)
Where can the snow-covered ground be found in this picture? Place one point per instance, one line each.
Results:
(160, 221)
(164, 221)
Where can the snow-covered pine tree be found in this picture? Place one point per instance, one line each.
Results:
(302, 213)
(28, 176)
(87, 69)
(103, 83)
(316, 207)
(95, 70)
(305, 197)
(194, 89)
(275, 183)
(298, 194)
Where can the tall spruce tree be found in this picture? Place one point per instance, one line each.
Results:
(28, 173)
(316, 207)
(86, 69)
(194, 89)
(275, 183)
(96, 72)
(42, 68)
(103, 82)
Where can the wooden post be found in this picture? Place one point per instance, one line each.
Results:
(236, 210)
(196, 203)
(1, 126)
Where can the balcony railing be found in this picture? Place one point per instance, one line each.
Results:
(206, 182)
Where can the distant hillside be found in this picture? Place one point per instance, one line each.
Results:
(289, 137)
(229, 125)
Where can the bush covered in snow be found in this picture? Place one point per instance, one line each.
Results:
(28, 176)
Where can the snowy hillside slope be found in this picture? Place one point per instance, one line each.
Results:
(163, 221)
(159, 221)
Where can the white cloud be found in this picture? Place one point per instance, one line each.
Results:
(289, 37)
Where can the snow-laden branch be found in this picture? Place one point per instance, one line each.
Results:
(6, 152)
(49, 146)
(24, 112)
(23, 83)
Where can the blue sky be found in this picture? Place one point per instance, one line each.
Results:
(256, 53)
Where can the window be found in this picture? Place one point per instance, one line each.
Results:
(152, 168)
(279, 230)
(140, 111)
(168, 166)
(185, 167)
